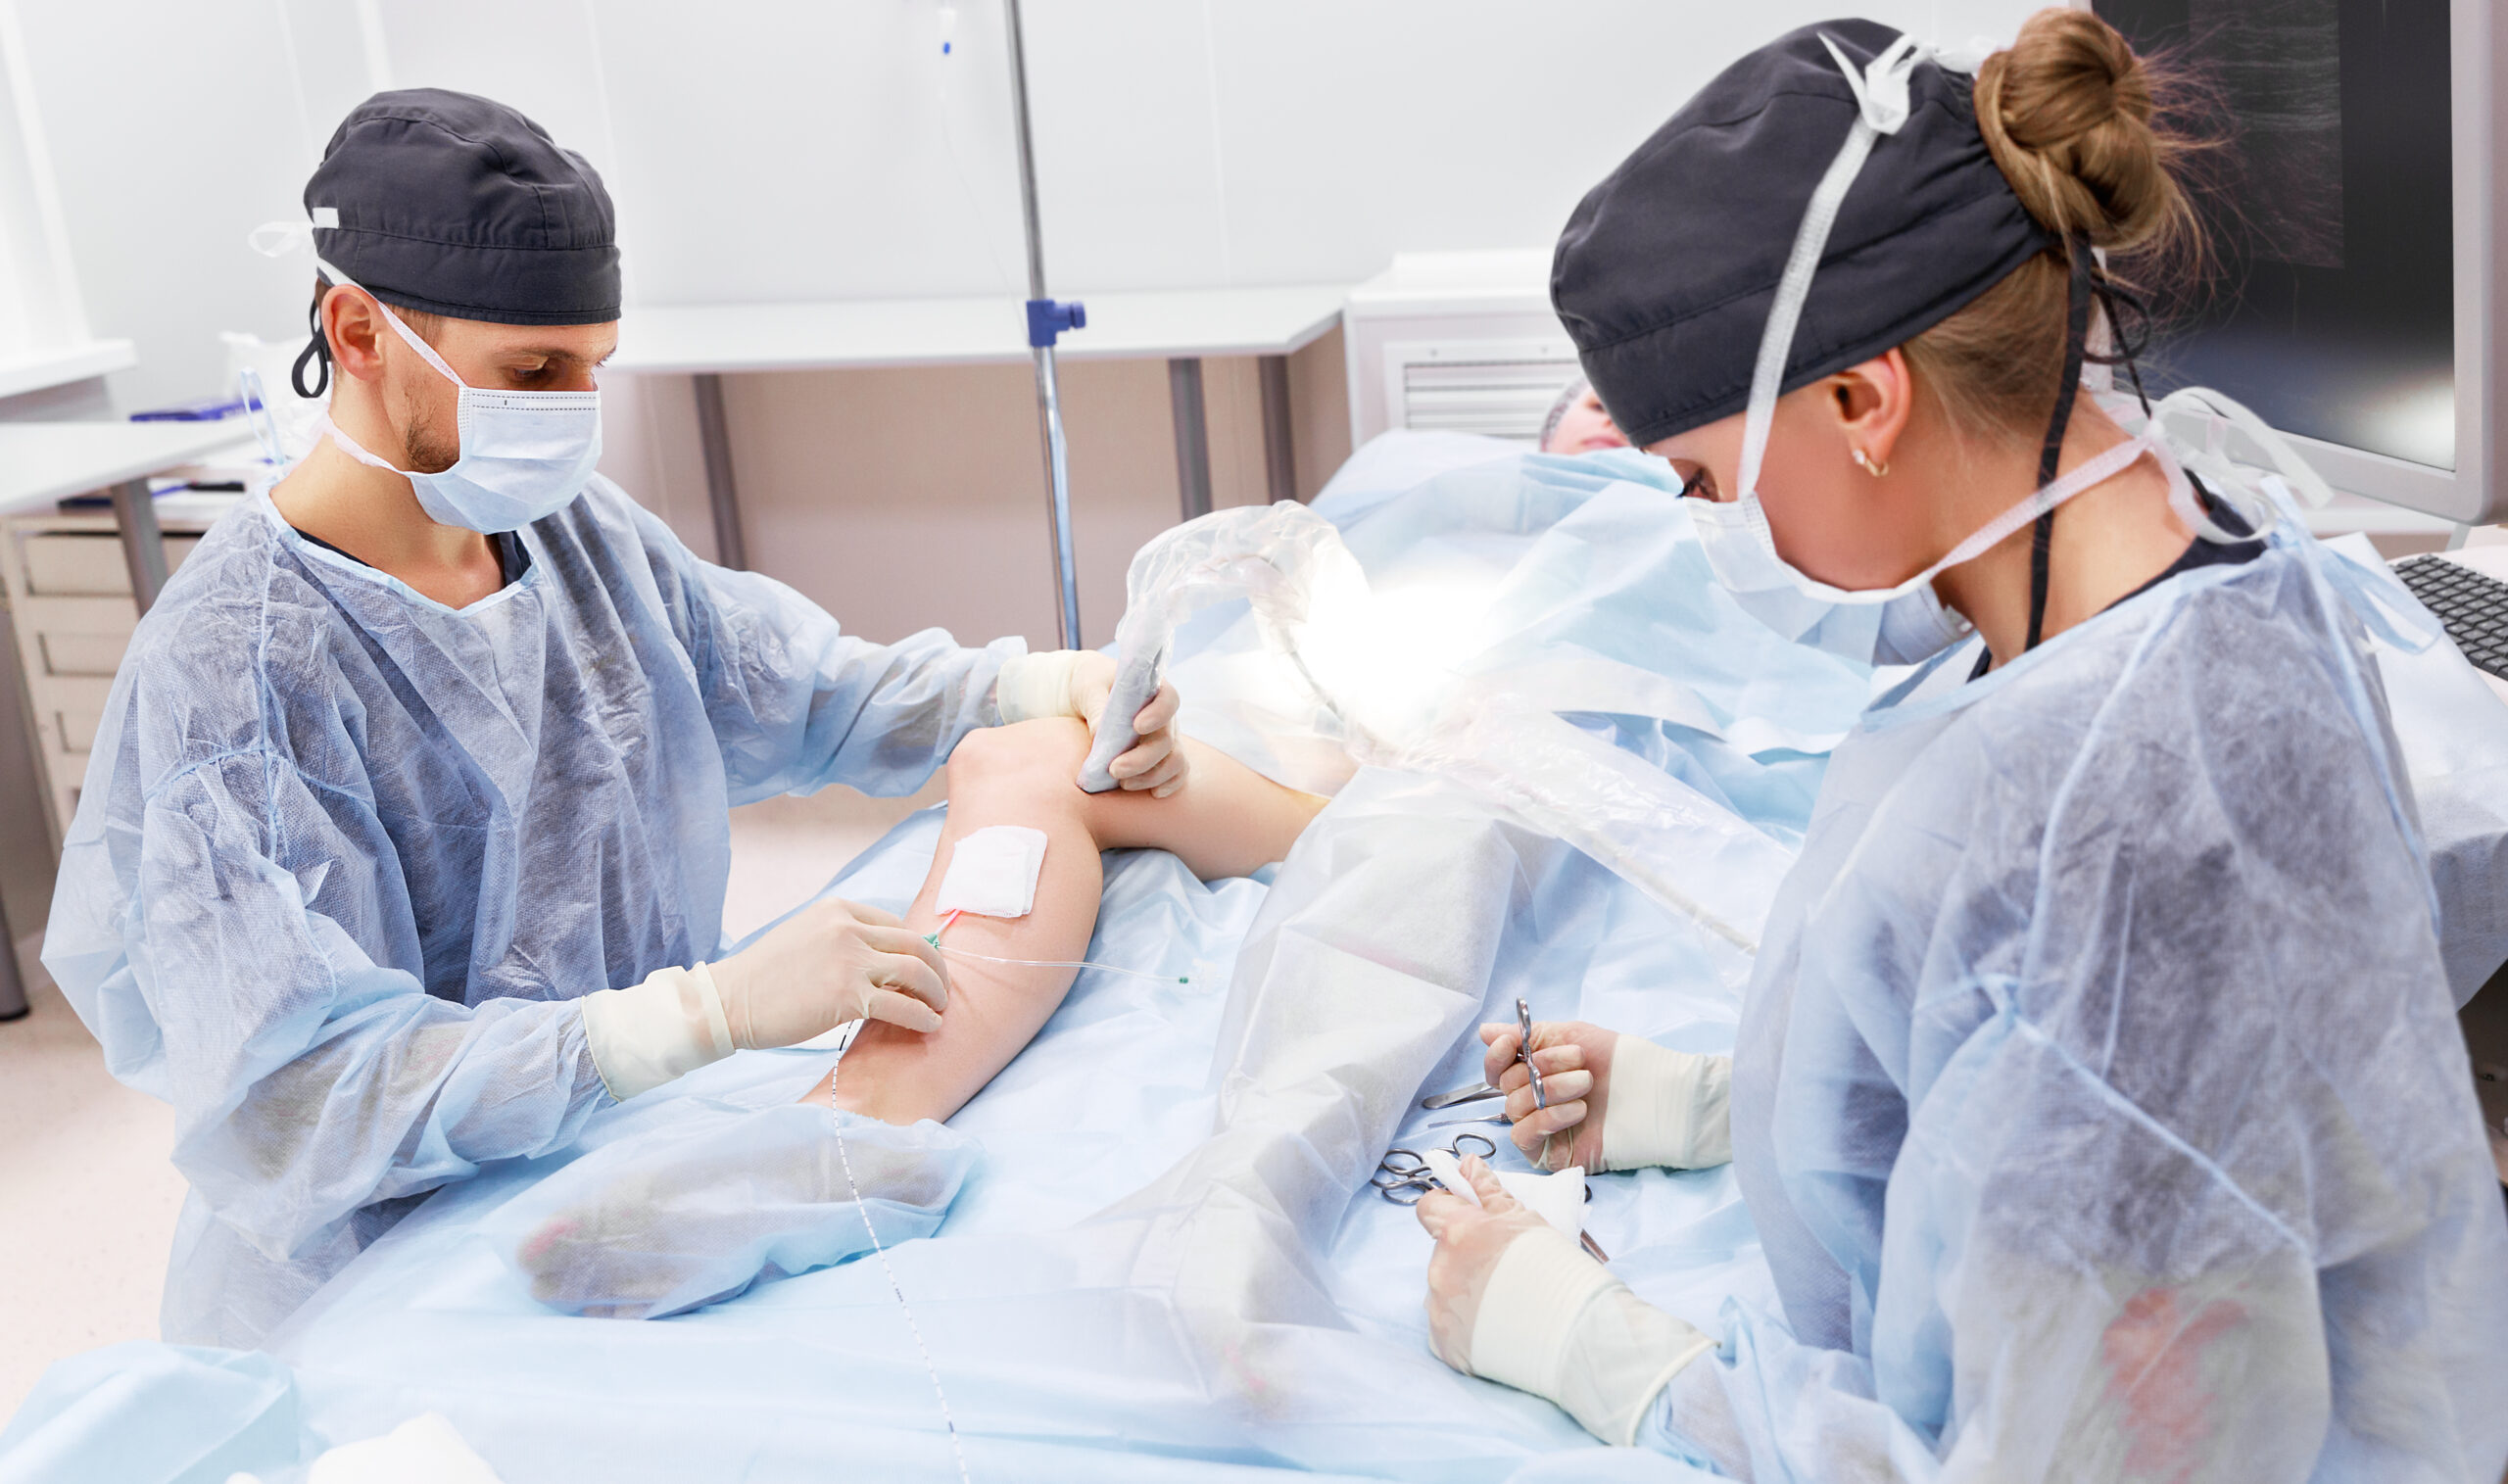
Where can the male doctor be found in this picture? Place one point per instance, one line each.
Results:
(404, 841)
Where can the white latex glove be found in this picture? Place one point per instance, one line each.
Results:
(1076, 683)
(1616, 1102)
(829, 963)
(1513, 1300)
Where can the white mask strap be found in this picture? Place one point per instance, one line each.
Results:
(2116, 461)
(412, 336)
(278, 239)
(354, 448)
(1881, 95)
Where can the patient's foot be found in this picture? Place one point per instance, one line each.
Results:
(697, 1212)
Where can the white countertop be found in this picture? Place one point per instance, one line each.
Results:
(45, 461)
(902, 332)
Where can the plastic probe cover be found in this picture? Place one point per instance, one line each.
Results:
(1266, 553)
(1135, 684)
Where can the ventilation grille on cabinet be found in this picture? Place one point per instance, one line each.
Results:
(1497, 389)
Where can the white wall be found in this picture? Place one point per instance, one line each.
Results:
(763, 149)
(175, 129)
(770, 149)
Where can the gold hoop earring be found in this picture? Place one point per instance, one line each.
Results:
(1869, 466)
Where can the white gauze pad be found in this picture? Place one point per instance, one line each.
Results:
(992, 871)
(1558, 1199)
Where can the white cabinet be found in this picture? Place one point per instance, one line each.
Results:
(1458, 342)
(68, 587)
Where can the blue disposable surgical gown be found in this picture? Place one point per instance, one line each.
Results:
(346, 857)
(2099, 1098)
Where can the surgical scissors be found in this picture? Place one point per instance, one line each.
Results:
(1402, 1177)
(1477, 1091)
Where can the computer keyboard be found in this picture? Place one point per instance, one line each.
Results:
(2473, 606)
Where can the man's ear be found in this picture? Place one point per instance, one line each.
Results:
(1873, 402)
(354, 328)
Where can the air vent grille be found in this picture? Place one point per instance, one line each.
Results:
(1498, 391)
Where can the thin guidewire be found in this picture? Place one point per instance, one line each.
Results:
(951, 921)
(1060, 963)
(948, 1421)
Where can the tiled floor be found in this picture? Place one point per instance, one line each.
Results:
(87, 1197)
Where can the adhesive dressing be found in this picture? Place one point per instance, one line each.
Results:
(992, 871)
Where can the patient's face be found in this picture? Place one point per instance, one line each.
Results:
(1585, 428)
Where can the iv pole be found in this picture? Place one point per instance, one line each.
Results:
(1046, 321)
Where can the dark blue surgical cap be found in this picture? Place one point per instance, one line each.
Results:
(1666, 270)
(453, 205)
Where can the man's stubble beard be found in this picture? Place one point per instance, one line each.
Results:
(429, 449)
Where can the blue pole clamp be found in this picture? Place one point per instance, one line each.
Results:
(1047, 318)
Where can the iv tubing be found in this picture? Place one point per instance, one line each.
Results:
(1045, 963)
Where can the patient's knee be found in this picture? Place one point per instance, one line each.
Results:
(1028, 757)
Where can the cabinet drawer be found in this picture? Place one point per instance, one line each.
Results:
(74, 635)
(75, 706)
(82, 654)
(88, 563)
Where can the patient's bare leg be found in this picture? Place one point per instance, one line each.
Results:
(1226, 821)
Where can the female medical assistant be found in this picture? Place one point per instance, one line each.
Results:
(2097, 1098)
(404, 842)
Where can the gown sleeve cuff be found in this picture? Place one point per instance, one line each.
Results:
(650, 1033)
(1555, 1323)
(1036, 684)
(1668, 1108)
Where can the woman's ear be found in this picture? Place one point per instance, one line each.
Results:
(1873, 402)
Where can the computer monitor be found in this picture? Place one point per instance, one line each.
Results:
(2356, 210)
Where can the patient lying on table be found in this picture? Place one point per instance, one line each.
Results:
(663, 1220)
(1229, 821)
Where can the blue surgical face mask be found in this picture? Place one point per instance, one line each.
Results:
(524, 455)
(1910, 623)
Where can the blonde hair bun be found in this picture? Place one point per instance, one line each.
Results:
(2068, 114)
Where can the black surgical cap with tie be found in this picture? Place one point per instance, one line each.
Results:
(1666, 270)
(449, 204)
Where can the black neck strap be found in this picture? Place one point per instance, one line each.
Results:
(317, 348)
(2076, 341)
(2129, 329)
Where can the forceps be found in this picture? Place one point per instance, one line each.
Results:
(1402, 1177)
(1474, 1093)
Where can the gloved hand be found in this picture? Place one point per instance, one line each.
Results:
(1513, 1300)
(1616, 1102)
(1077, 682)
(829, 963)
(1470, 1241)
